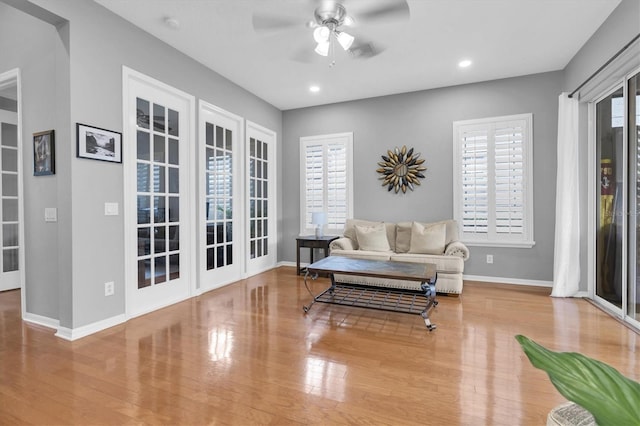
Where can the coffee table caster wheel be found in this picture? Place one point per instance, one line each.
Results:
(305, 309)
(431, 327)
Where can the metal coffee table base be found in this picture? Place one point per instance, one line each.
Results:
(382, 298)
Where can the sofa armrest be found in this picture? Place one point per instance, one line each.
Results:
(342, 243)
(457, 248)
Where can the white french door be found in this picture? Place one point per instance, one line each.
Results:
(10, 202)
(261, 198)
(158, 157)
(220, 207)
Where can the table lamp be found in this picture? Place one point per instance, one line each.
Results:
(319, 219)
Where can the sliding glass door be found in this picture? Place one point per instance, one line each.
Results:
(633, 121)
(617, 137)
(610, 223)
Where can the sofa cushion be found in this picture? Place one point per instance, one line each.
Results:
(362, 254)
(372, 238)
(444, 264)
(427, 239)
(350, 232)
(403, 234)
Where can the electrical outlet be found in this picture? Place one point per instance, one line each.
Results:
(109, 288)
(489, 258)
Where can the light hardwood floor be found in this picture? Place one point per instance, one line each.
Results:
(247, 354)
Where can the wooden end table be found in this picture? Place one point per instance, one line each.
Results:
(312, 242)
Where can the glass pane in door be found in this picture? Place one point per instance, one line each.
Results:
(633, 291)
(218, 196)
(9, 197)
(157, 194)
(610, 214)
(258, 203)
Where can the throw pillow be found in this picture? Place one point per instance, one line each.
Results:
(429, 239)
(372, 238)
(350, 230)
(403, 237)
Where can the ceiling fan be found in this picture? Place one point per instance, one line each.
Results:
(334, 26)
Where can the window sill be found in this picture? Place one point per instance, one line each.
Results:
(509, 244)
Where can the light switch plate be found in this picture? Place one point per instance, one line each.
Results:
(50, 214)
(111, 209)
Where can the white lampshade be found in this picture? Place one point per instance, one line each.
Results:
(323, 48)
(345, 40)
(318, 218)
(321, 34)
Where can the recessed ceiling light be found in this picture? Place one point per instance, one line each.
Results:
(465, 63)
(314, 89)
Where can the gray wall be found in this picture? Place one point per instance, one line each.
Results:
(621, 27)
(98, 44)
(35, 56)
(423, 120)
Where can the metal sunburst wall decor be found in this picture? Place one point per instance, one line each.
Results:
(401, 169)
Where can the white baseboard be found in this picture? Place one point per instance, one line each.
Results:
(514, 281)
(85, 330)
(41, 320)
(287, 263)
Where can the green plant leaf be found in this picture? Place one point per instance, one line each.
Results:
(599, 388)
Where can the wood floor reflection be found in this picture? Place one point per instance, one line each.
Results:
(247, 354)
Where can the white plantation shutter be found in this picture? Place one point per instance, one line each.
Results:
(326, 180)
(314, 180)
(493, 196)
(509, 179)
(475, 198)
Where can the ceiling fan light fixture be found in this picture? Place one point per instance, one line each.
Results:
(321, 34)
(345, 39)
(322, 49)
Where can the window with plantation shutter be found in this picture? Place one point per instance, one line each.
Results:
(326, 181)
(493, 193)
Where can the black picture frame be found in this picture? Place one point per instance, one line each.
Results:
(44, 153)
(95, 143)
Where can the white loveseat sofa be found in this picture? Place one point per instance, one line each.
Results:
(416, 242)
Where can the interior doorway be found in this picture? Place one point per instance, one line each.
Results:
(11, 185)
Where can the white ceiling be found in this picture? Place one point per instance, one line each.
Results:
(503, 38)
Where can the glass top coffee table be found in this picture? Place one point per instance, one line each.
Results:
(420, 301)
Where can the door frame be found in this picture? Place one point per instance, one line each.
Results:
(273, 205)
(9, 78)
(189, 270)
(238, 165)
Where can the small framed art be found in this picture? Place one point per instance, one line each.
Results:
(44, 153)
(98, 144)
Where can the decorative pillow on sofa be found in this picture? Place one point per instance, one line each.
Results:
(428, 240)
(372, 238)
(403, 237)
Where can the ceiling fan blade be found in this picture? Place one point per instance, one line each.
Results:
(365, 50)
(388, 11)
(264, 23)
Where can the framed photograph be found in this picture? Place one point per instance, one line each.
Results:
(99, 144)
(44, 158)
